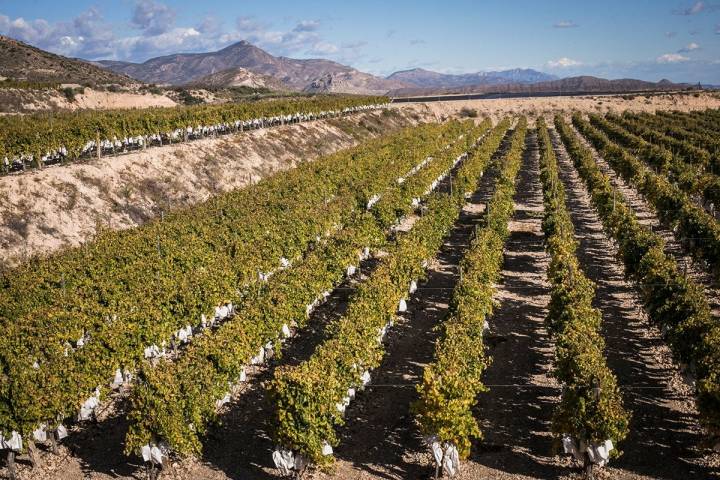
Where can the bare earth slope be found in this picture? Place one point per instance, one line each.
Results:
(59, 206)
(239, 77)
(18, 100)
(501, 107)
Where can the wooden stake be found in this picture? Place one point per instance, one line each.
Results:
(588, 467)
(32, 453)
(12, 474)
(53, 437)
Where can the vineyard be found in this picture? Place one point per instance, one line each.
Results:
(39, 140)
(534, 298)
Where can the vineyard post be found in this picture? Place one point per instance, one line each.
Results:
(152, 472)
(53, 437)
(38, 160)
(11, 464)
(588, 466)
(97, 143)
(32, 453)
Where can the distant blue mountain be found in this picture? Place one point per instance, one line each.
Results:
(427, 79)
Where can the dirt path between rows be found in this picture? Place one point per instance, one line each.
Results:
(664, 429)
(515, 413)
(380, 439)
(646, 216)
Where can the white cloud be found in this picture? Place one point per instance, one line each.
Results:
(696, 8)
(177, 39)
(303, 38)
(210, 25)
(153, 18)
(307, 26)
(692, 46)
(563, 62)
(566, 24)
(87, 34)
(672, 58)
(249, 25)
(322, 48)
(355, 45)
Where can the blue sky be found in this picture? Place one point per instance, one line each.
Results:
(647, 39)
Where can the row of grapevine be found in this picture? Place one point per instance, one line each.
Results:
(210, 364)
(673, 302)
(689, 177)
(682, 149)
(310, 398)
(709, 117)
(452, 382)
(690, 221)
(590, 418)
(32, 140)
(696, 121)
(69, 321)
(684, 130)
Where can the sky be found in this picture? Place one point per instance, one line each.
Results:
(645, 39)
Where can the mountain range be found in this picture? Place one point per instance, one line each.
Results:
(298, 75)
(243, 64)
(581, 84)
(310, 75)
(427, 79)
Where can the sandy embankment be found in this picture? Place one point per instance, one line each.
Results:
(497, 108)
